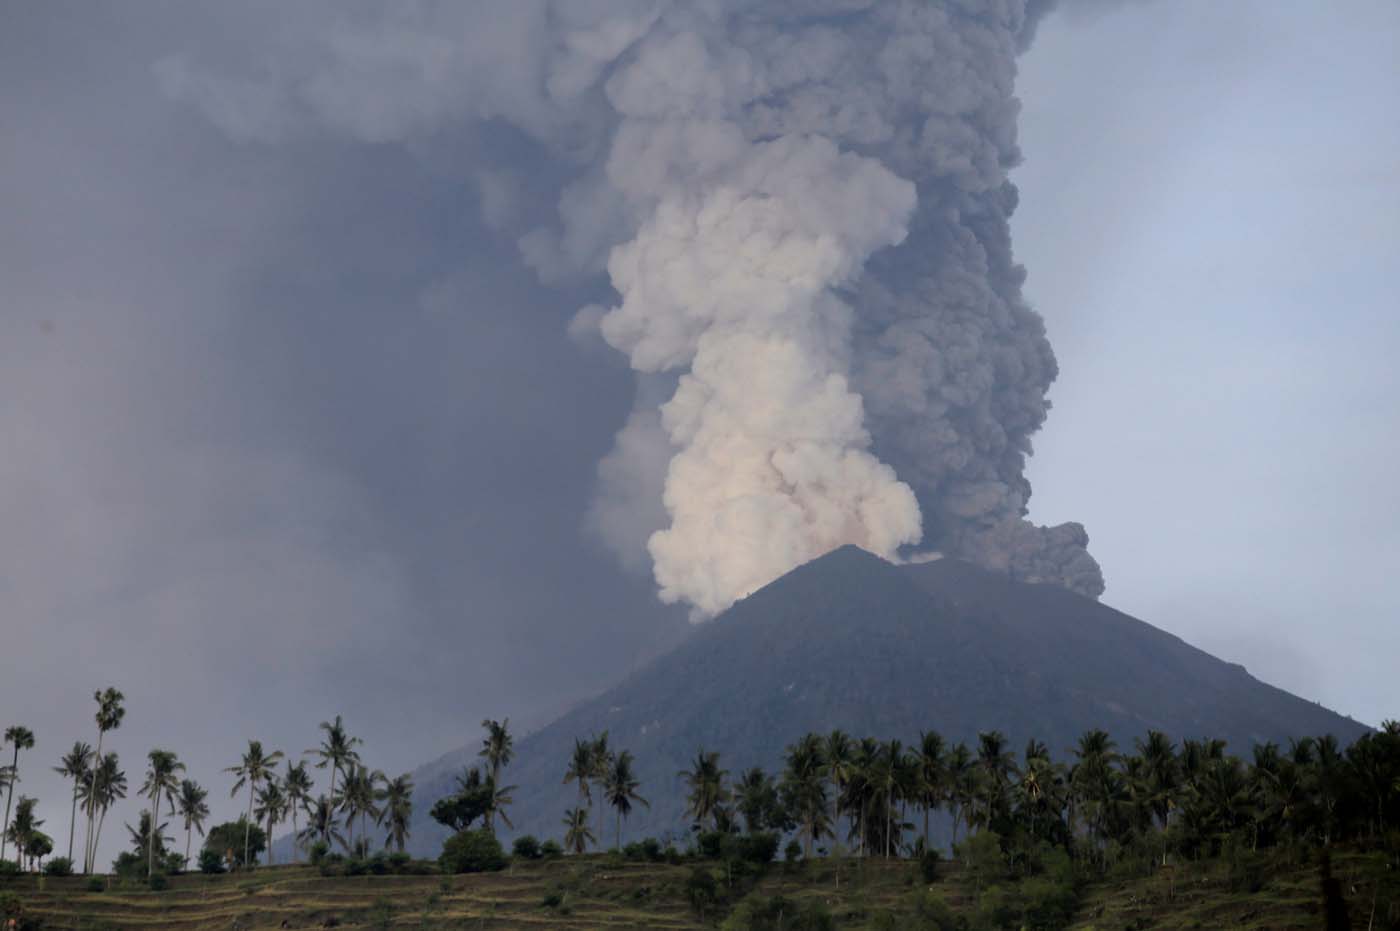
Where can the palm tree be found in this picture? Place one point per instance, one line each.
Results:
(272, 808)
(961, 778)
(107, 786)
(74, 765)
(160, 779)
(705, 780)
(109, 717)
(24, 827)
(321, 824)
(497, 751)
(337, 751)
(838, 753)
(255, 768)
(803, 789)
(577, 834)
(1159, 761)
(496, 801)
(397, 796)
(357, 799)
(23, 739)
(1093, 780)
(621, 790)
(191, 807)
(145, 837)
(755, 796)
(930, 785)
(297, 786)
(580, 769)
(602, 764)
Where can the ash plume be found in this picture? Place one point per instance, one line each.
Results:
(801, 207)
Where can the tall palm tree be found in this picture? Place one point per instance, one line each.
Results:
(804, 789)
(1093, 780)
(930, 774)
(271, 809)
(322, 824)
(602, 763)
(109, 717)
(337, 751)
(160, 780)
(580, 770)
(705, 780)
(754, 797)
(961, 779)
(996, 763)
(108, 785)
(24, 828)
(74, 765)
(253, 770)
(621, 790)
(1160, 765)
(577, 833)
(297, 786)
(23, 739)
(357, 800)
(397, 796)
(838, 752)
(497, 750)
(191, 806)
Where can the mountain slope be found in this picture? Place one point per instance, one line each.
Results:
(850, 641)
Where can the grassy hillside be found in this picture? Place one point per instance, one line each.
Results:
(598, 892)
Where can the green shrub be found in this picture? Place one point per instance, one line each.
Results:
(158, 882)
(379, 863)
(550, 850)
(59, 866)
(931, 913)
(129, 865)
(96, 884)
(9, 868)
(526, 847)
(711, 844)
(319, 851)
(399, 861)
(210, 861)
(701, 890)
(472, 852)
(759, 848)
(756, 913)
(356, 867)
(928, 865)
(651, 850)
(552, 900)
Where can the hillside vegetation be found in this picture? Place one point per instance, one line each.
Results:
(599, 891)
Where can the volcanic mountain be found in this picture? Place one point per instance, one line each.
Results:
(850, 641)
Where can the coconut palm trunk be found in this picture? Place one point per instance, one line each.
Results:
(189, 837)
(72, 823)
(248, 826)
(5, 827)
(89, 842)
(151, 840)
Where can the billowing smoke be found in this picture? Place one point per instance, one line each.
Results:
(801, 207)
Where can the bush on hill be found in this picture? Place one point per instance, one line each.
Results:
(59, 866)
(472, 852)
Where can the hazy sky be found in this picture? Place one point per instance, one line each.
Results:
(286, 431)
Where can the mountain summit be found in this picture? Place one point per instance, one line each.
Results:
(850, 641)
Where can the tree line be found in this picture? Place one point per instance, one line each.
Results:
(1101, 804)
(356, 797)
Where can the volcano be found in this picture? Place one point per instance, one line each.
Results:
(850, 641)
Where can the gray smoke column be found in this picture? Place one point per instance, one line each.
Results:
(802, 209)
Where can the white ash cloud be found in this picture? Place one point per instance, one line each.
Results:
(802, 210)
